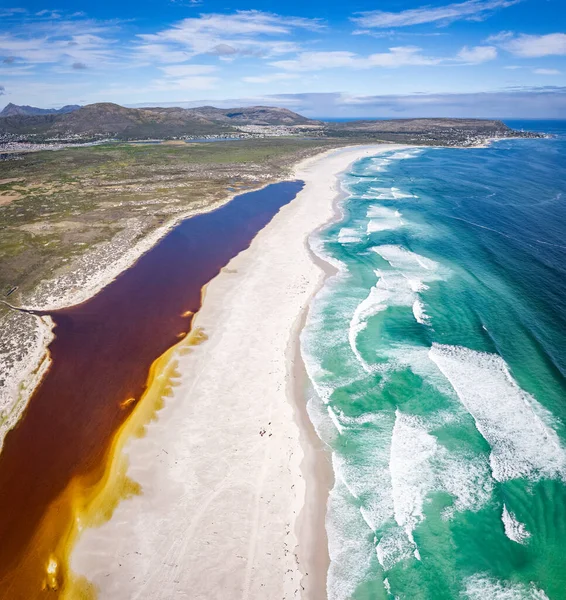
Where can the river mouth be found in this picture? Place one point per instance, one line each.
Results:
(101, 357)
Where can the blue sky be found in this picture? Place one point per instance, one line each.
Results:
(501, 58)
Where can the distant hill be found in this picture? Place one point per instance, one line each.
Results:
(252, 115)
(12, 110)
(420, 126)
(112, 120)
(106, 120)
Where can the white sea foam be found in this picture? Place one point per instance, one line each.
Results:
(375, 225)
(393, 547)
(316, 244)
(378, 164)
(419, 312)
(320, 419)
(398, 464)
(382, 218)
(514, 529)
(391, 289)
(416, 358)
(518, 429)
(369, 476)
(399, 287)
(335, 420)
(366, 482)
(350, 235)
(412, 449)
(384, 193)
(382, 212)
(418, 466)
(405, 260)
(350, 551)
(405, 154)
(482, 587)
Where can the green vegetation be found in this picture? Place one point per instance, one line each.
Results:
(56, 205)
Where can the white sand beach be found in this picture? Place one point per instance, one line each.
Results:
(225, 467)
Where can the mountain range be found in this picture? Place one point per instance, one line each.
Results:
(13, 110)
(112, 120)
(107, 120)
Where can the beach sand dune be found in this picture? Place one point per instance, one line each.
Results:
(222, 468)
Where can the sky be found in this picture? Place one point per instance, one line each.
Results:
(362, 58)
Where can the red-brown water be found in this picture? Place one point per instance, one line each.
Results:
(101, 356)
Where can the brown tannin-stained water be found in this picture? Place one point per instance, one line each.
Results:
(101, 356)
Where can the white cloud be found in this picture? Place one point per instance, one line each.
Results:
(10, 12)
(547, 72)
(184, 84)
(49, 14)
(477, 55)
(63, 42)
(396, 57)
(315, 61)
(187, 70)
(270, 78)
(162, 53)
(251, 33)
(402, 56)
(85, 48)
(470, 10)
(8, 68)
(185, 77)
(533, 46)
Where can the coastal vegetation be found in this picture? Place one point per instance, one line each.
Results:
(56, 205)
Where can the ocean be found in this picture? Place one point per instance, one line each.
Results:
(436, 356)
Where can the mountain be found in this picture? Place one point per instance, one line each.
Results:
(252, 115)
(112, 120)
(105, 119)
(12, 110)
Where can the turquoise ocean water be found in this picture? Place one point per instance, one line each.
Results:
(437, 358)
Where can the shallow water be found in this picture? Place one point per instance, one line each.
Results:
(437, 362)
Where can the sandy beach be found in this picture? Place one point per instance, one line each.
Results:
(233, 478)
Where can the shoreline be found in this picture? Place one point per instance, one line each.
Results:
(316, 465)
(317, 462)
(251, 457)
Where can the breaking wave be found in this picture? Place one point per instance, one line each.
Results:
(518, 429)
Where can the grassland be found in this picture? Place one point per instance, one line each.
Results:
(55, 206)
